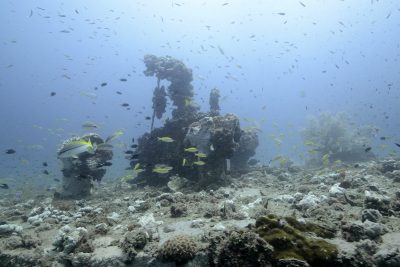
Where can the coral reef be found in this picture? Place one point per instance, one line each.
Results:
(217, 137)
(214, 102)
(128, 226)
(332, 138)
(247, 148)
(213, 138)
(366, 230)
(159, 103)
(377, 201)
(80, 171)
(289, 239)
(8, 229)
(70, 240)
(239, 248)
(180, 77)
(179, 249)
(132, 242)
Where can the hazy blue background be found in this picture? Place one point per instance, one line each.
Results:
(276, 70)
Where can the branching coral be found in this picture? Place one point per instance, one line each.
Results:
(180, 90)
(335, 137)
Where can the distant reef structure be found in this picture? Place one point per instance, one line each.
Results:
(334, 138)
(197, 146)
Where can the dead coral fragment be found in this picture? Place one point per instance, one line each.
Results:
(179, 249)
(291, 242)
(132, 242)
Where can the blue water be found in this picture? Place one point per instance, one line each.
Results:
(273, 70)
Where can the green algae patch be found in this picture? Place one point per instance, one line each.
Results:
(290, 240)
(320, 231)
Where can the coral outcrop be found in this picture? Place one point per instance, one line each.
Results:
(81, 171)
(239, 248)
(290, 240)
(179, 249)
(333, 137)
(200, 145)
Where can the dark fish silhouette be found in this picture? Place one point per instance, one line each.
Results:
(4, 186)
(10, 151)
(105, 164)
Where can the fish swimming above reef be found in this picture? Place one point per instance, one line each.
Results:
(137, 166)
(199, 163)
(105, 164)
(165, 139)
(137, 169)
(117, 134)
(4, 186)
(309, 143)
(89, 125)
(10, 151)
(132, 156)
(162, 169)
(191, 150)
(189, 102)
(74, 148)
